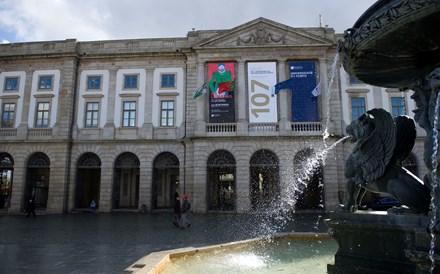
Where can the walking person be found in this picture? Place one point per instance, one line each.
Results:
(30, 208)
(177, 210)
(186, 206)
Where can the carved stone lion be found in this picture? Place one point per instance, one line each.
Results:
(381, 145)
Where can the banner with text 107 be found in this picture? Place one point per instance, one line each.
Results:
(261, 79)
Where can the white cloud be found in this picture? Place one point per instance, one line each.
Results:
(36, 20)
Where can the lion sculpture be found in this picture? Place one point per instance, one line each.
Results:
(375, 164)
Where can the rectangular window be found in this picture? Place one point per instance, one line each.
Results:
(168, 80)
(357, 107)
(11, 83)
(92, 114)
(129, 114)
(398, 106)
(43, 109)
(45, 82)
(8, 114)
(130, 81)
(94, 82)
(167, 113)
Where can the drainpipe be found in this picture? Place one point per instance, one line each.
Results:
(70, 137)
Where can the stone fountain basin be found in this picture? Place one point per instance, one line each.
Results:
(167, 261)
(394, 43)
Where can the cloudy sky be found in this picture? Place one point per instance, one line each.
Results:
(87, 20)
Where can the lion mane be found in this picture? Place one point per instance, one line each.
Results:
(374, 135)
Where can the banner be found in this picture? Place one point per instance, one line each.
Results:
(261, 79)
(304, 103)
(221, 84)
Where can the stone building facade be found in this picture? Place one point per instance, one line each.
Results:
(116, 122)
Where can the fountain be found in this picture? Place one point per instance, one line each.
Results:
(393, 44)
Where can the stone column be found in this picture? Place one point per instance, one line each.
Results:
(323, 79)
(243, 188)
(202, 101)
(147, 127)
(240, 97)
(109, 127)
(283, 97)
(105, 191)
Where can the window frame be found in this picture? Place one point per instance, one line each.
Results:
(129, 87)
(45, 117)
(164, 116)
(17, 83)
(89, 80)
(45, 87)
(352, 107)
(130, 120)
(10, 121)
(398, 107)
(162, 75)
(93, 120)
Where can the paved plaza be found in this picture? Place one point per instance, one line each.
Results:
(110, 242)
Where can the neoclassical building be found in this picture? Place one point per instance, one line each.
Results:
(119, 122)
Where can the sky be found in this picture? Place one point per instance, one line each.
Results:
(92, 20)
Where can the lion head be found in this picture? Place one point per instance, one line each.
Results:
(374, 136)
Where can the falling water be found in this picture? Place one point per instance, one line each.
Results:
(434, 179)
(325, 134)
(275, 217)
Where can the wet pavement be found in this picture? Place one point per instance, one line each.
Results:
(110, 242)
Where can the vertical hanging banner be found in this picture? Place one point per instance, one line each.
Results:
(262, 106)
(304, 103)
(221, 83)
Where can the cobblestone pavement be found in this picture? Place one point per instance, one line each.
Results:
(110, 242)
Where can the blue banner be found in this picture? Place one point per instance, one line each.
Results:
(304, 103)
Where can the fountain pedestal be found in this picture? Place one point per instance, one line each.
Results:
(381, 242)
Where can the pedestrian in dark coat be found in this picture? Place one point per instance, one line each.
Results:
(177, 211)
(30, 209)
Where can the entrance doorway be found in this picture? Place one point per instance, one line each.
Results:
(6, 172)
(264, 179)
(88, 180)
(126, 181)
(37, 180)
(221, 181)
(165, 180)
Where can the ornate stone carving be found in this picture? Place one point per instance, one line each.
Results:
(260, 37)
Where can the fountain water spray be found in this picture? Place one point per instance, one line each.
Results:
(275, 217)
(325, 134)
(434, 179)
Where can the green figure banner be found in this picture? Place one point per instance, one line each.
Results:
(221, 83)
